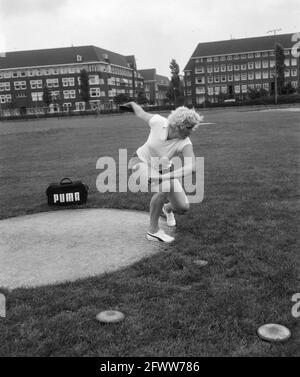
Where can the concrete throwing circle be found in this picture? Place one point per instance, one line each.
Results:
(66, 245)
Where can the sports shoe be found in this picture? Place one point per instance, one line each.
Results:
(170, 217)
(159, 236)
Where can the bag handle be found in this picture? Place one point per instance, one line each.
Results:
(67, 180)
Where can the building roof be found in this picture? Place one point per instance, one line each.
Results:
(63, 55)
(233, 46)
(151, 75)
(162, 80)
(148, 74)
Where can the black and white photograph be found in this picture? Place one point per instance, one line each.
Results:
(149, 182)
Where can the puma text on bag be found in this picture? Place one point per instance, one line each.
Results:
(67, 192)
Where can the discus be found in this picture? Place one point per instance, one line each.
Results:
(126, 108)
(273, 332)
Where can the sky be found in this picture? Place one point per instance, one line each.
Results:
(155, 31)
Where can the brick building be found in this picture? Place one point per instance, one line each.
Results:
(155, 86)
(24, 74)
(232, 67)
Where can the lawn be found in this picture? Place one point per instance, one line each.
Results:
(246, 228)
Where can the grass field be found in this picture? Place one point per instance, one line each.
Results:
(246, 227)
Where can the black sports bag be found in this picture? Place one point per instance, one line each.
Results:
(67, 192)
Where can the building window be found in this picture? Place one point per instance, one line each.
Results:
(16, 74)
(222, 58)
(71, 70)
(20, 85)
(199, 70)
(287, 73)
(68, 81)
(36, 84)
(95, 92)
(216, 68)
(250, 76)
(243, 56)
(265, 74)
(237, 89)
(257, 54)
(250, 65)
(229, 57)
(251, 86)
(7, 75)
(265, 64)
(244, 76)
(209, 69)
(93, 79)
(244, 88)
(266, 86)
(210, 79)
(37, 96)
(230, 77)
(272, 63)
(217, 78)
(52, 83)
(217, 90)
(210, 90)
(6, 98)
(236, 67)
(272, 53)
(223, 68)
(200, 90)
(200, 80)
(258, 86)
(293, 61)
(229, 67)
(258, 75)
(223, 78)
(294, 72)
(209, 60)
(55, 95)
(295, 84)
(4, 86)
(237, 77)
(243, 67)
(257, 65)
(224, 89)
(236, 57)
(265, 54)
(250, 56)
(216, 59)
(69, 94)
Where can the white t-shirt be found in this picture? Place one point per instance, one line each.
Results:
(157, 144)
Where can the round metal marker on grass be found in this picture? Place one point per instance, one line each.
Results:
(110, 316)
(273, 332)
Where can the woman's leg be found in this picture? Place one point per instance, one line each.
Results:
(156, 205)
(178, 201)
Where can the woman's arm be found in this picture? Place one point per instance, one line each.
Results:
(140, 112)
(188, 168)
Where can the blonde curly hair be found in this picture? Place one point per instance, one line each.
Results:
(184, 117)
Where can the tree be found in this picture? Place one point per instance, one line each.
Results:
(280, 67)
(84, 87)
(288, 89)
(47, 97)
(175, 91)
(121, 98)
(141, 98)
